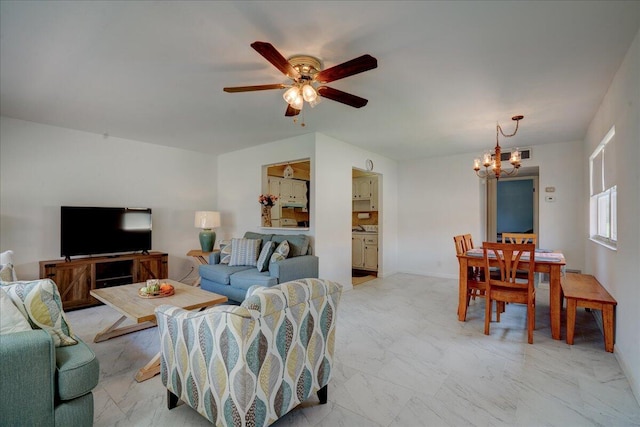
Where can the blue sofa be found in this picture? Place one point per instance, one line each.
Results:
(233, 282)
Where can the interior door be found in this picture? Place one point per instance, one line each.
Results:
(512, 206)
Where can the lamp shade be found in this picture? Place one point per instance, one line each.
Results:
(207, 219)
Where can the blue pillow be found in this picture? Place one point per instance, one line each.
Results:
(265, 256)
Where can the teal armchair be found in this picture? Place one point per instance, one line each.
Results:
(42, 385)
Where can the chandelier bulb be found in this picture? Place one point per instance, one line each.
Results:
(309, 93)
(291, 94)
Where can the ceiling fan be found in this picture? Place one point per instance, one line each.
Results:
(308, 78)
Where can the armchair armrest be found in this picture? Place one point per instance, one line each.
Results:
(27, 369)
(300, 267)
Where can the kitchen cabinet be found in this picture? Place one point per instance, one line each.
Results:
(365, 194)
(289, 191)
(364, 251)
(274, 188)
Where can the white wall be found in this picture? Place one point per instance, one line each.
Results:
(239, 184)
(619, 271)
(44, 167)
(442, 197)
(335, 161)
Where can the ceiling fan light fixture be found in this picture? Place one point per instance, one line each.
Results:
(291, 94)
(298, 102)
(309, 93)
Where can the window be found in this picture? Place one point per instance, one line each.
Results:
(603, 224)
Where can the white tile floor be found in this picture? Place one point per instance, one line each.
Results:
(403, 359)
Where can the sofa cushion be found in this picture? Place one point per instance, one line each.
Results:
(225, 251)
(265, 256)
(244, 252)
(77, 371)
(298, 243)
(220, 273)
(11, 319)
(281, 252)
(247, 278)
(264, 237)
(40, 302)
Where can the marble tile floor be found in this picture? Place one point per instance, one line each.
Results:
(403, 359)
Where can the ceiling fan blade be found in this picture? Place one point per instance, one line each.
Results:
(343, 97)
(291, 111)
(358, 65)
(272, 55)
(253, 88)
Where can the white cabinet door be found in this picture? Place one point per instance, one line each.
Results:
(370, 257)
(363, 188)
(299, 191)
(274, 188)
(374, 193)
(357, 251)
(286, 190)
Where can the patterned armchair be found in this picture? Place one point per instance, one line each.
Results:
(251, 364)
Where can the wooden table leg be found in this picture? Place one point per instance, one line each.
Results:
(149, 370)
(555, 301)
(607, 326)
(113, 330)
(462, 290)
(571, 319)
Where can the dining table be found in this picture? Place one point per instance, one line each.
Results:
(545, 261)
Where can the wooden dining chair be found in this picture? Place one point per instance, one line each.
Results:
(475, 285)
(519, 238)
(509, 288)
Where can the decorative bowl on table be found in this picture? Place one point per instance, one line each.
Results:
(158, 290)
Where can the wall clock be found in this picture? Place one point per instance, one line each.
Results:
(369, 164)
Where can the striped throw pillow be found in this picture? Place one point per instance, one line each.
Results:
(244, 252)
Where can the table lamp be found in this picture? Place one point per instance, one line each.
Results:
(206, 220)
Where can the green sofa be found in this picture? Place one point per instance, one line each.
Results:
(44, 385)
(233, 282)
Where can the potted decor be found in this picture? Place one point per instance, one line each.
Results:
(267, 201)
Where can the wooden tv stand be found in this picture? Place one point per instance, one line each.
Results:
(76, 278)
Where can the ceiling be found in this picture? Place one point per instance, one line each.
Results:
(447, 71)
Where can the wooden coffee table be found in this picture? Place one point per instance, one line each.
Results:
(125, 299)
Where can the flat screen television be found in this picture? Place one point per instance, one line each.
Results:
(102, 230)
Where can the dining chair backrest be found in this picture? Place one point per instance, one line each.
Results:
(459, 242)
(468, 242)
(510, 257)
(519, 238)
(509, 286)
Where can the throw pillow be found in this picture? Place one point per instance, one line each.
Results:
(6, 273)
(281, 252)
(40, 302)
(265, 256)
(225, 252)
(11, 319)
(6, 258)
(244, 252)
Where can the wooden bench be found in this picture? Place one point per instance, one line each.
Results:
(584, 290)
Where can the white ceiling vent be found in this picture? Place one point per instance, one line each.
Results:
(525, 154)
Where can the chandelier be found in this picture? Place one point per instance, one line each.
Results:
(492, 162)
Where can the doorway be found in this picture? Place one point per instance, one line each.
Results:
(512, 205)
(365, 225)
